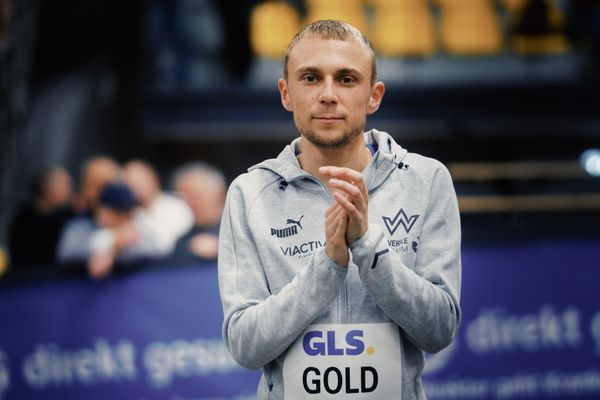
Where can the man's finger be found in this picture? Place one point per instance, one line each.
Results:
(342, 225)
(347, 206)
(345, 174)
(333, 210)
(331, 217)
(351, 190)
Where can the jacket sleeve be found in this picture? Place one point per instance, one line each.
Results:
(259, 325)
(74, 243)
(424, 302)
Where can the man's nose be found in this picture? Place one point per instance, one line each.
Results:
(328, 93)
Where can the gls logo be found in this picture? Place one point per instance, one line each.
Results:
(332, 380)
(400, 219)
(315, 345)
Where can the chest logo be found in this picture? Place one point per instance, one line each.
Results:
(290, 230)
(292, 222)
(401, 219)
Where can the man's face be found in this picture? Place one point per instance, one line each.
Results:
(205, 199)
(329, 90)
(108, 217)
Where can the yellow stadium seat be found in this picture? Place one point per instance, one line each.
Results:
(470, 31)
(352, 12)
(551, 43)
(398, 5)
(272, 26)
(462, 5)
(333, 3)
(403, 34)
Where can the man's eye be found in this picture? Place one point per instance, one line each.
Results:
(347, 79)
(310, 78)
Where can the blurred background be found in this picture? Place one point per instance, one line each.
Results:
(504, 92)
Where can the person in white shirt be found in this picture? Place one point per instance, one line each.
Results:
(166, 215)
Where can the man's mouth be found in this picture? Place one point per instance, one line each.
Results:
(328, 117)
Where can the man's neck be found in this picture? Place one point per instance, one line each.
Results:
(355, 155)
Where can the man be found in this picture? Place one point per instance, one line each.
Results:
(166, 216)
(112, 236)
(203, 187)
(36, 227)
(97, 171)
(339, 261)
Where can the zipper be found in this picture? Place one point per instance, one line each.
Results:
(343, 297)
(344, 300)
(269, 378)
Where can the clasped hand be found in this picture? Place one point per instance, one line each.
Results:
(346, 220)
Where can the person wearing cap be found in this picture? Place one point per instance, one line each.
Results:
(112, 236)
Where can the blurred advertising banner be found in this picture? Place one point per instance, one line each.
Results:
(148, 335)
(530, 330)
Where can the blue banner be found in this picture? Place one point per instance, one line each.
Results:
(153, 334)
(530, 330)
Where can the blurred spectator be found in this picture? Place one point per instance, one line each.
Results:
(5, 22)
(167, 216)
(97, 172)
(113, 235)
(583, 27)
(36, 227)
(185, 40)
(203, 187)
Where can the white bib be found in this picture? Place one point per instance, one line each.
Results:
(349, 361)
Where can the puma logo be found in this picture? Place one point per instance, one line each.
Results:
(291, 221)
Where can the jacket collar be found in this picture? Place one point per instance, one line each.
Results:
(387, 157)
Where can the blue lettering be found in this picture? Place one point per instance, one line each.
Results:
(355, 343)
(331, 349)
(313, 348)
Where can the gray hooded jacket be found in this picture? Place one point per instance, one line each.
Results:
(275, 277)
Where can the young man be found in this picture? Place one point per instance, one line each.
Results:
(339, 261)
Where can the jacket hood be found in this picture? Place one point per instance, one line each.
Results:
(388, 156)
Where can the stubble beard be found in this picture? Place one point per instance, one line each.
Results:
(335, 143)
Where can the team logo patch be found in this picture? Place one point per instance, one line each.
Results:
(401, 219)
(290, 230)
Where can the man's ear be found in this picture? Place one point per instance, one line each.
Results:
(285, 95)
(376, 97)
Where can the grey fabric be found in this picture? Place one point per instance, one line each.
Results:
(275, 277)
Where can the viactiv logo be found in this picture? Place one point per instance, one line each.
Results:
(315, 343)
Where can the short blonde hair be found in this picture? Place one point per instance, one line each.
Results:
(333, 30)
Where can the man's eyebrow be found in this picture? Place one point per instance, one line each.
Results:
(347, 71)
(342, 71)
(306, 69)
